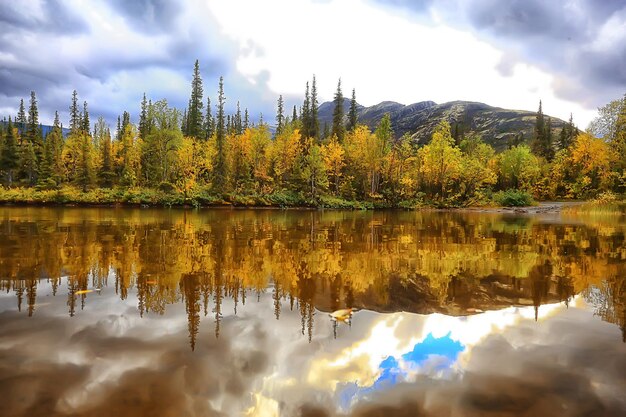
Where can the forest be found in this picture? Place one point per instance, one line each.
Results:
(202, 157)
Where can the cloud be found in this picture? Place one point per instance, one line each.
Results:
(581, 42)
(116, 51)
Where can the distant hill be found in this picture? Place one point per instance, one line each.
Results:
(494, 124)
(45, 129)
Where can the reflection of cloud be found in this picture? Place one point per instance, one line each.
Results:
(432, 356)
(105, 362)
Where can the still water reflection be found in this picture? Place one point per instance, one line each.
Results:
(225, 312)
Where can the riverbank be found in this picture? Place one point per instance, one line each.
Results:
(146, 197)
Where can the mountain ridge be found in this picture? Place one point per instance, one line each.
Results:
(497, 126)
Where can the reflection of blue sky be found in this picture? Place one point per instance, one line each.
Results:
(432, 355)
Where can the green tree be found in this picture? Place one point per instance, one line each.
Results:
(75, 122)
(106, 175)
(280, 117)
(28, 162)
(143, 118)
(542, 143)
(209, 122)
(219, 175)
(338, 128)
(86, 124)
(21, 120)
(195, 118)
(352, 113)
(305, 115)
(33, 130)
(9, 157)
(159, 148)
(314, 121)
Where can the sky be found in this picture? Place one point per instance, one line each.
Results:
(506, 53)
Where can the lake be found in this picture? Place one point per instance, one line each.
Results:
(172, 312)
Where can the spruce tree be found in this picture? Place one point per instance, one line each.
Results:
(28, 162)
(86, 125)
(338, 128)
(238, 122)
(118, 130)
(74, 113)
(305, 114)
(219, 180)
(538, 143)
(352, 114)
(85, 165)
(280, 118)
(314, 122)
(33, 130)
(106, 174)
(294, 115)
(9, 156)
(20, 121)
(195, 117)
(548, 146)
(143, 118)
(246, 119)
(209, 123)
(125, 120)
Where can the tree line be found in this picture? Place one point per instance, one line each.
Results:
(198, 152)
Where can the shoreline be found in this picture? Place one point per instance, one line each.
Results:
(544, 207)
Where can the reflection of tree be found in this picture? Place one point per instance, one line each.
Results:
(191, 293)
(422, 262)
(609, 301)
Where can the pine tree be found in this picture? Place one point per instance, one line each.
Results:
(85, 166)
(209, 123)
(352, 114)
(538, 143)
(185, 121)
(305, 114)
(338, 128)
(220, 159)
(118, 130)
(33, 130)
(294, 115)
(56, 144)
(246, 120)
(238, 122)
(548, 146)
(314, 122)
(74, 113)
(125, 120)
(106, 174)
(143, 118)
(20, 121)
(9, 156)
(28, 162)
(280, 118)
(195, 117)
(86, 125)
(326, 131)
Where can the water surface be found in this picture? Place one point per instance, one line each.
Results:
(226, 312)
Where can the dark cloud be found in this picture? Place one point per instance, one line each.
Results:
(151, 16)
(567, 39)
(111, 73)
(54, 17)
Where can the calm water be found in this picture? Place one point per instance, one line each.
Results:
(154, 312)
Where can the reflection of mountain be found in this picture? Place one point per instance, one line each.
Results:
(451, 263)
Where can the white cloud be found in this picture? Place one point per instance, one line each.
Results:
(383, 55)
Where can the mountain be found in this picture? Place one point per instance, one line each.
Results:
(495, 125)
(45, 129)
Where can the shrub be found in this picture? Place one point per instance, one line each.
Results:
(513, 198)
